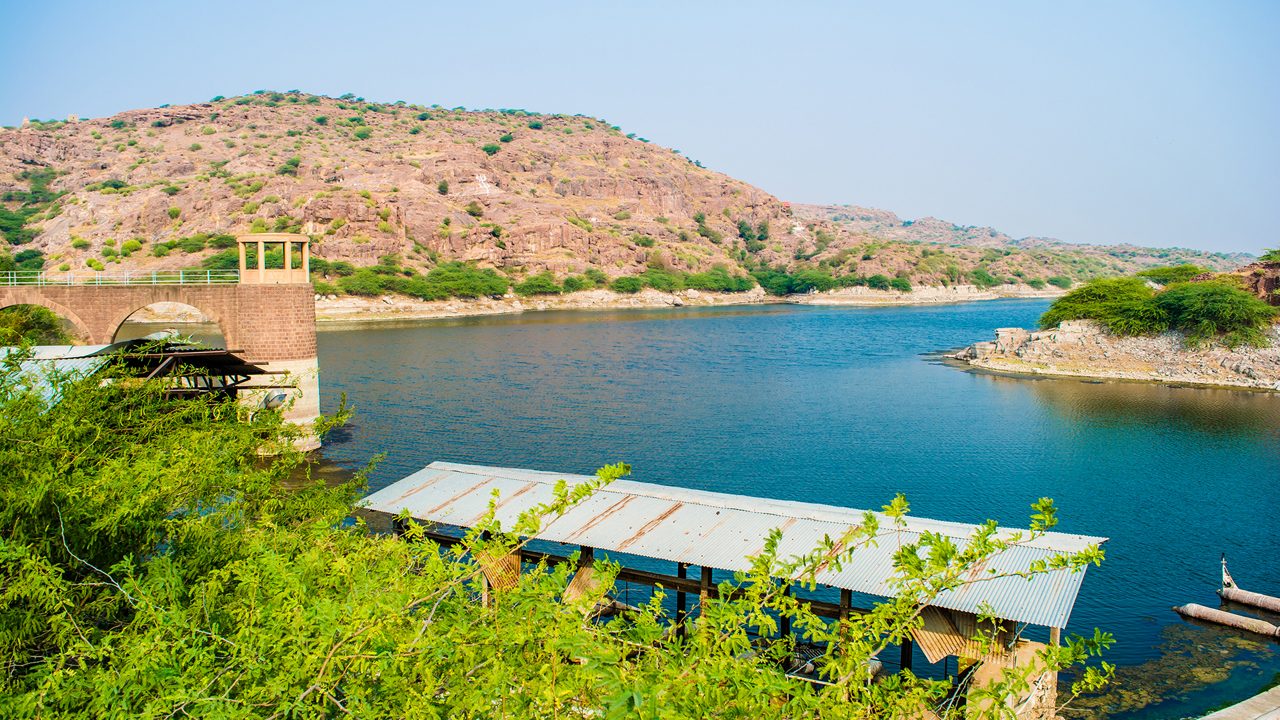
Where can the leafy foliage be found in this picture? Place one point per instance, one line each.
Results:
(543, 283)
(1203, 311)
(31, 324)
(156, 565)
(1171, 274)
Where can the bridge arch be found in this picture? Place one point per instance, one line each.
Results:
(225, 328)
(83, 333)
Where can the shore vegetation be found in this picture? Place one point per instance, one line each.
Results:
(157, 564)
(1216, 310)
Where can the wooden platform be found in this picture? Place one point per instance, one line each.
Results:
(1263, 706)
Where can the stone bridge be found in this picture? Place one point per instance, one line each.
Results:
(266, 314)
(260, 323)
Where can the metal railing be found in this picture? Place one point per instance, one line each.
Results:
(41, 278)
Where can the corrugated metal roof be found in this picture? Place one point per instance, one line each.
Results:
(47, 362)
(721, 531)
(44, 363)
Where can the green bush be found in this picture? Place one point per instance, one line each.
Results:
(718, 279)
(131, 246)
(31, 324)
(491, 148)
(543, 283)
(982, 278)
(324, 288)
(879, 282)
(627, 284)
(362, 133)
(193, 244)
(290, 166)
(321, 119)
(79, 243)
(775, 281)
(222, 241)
(1061, 281)
(160, 250)
(662, 280)
(1123, 306)
(1205, 311)
(812, 279)
(1171, 275)
(1270, 255)
(474, 210)
(443, 187)
(174, 212)
(1036, 283)
(507, 138)
(535, 125)
(901, 284)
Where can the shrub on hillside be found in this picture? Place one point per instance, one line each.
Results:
(718, 279)
(1061, 281)
(878, 282)
(543, 283)
(983, 278)
(491, 148)
(627, 284)
(474, 210)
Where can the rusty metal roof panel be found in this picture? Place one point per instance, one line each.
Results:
(723, 531)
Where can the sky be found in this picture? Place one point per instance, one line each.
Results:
(1102, 122)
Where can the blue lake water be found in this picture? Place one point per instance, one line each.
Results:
(849, 406)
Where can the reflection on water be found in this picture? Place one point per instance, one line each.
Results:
(836, 405)
(205, 333)
(1120, 403)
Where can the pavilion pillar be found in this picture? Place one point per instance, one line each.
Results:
(262, 262)
(682, 600)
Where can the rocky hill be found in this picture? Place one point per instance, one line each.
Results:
(516, 191)
(1084, 260)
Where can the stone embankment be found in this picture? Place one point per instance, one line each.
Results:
(923, 295)
(1081, 348)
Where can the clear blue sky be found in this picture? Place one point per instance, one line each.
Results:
(1154, 123)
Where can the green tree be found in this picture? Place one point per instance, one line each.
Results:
(543, 283)
(155, 564)
(442, 187)
(31, 324)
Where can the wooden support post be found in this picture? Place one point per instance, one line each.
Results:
(1055, 636)
(587, 557)
(784, 622)
(704, 587)
(682, 609)
(906, 654)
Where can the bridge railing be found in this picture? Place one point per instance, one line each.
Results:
(41, 278)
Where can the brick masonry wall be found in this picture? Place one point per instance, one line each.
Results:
(265, 322)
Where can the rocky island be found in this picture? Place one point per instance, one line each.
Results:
(1101, 342)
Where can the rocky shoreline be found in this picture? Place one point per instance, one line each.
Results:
(1081, 348)
(925, 295)
(343, 309)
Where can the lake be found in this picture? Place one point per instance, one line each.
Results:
(849, 406)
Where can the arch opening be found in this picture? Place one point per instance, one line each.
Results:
(40, 324)
(186, 320)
